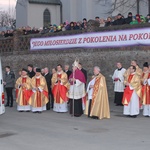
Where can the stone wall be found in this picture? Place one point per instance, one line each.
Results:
(16, 53)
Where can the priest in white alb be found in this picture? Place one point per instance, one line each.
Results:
(132, 94)
(60, 90)
(118, 80)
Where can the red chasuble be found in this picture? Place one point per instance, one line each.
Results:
(127, 92)
(59, 91)
(24, 92)
(38, 95)
(17, 93)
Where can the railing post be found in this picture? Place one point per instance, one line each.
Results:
(16, 42)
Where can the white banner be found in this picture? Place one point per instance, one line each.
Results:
(117, 38)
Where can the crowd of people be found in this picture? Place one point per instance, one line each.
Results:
(8, 33)
(81, 25)
(37, 90)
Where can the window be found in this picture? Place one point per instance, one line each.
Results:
(46, 18)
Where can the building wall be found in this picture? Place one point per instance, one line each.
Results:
(66, 10)
(35, 14)
(76, 10)
(21, 13)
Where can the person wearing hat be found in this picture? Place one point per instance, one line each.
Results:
(128, 20)
(60, 90)
(39, 96)
(145, 90)
(30, 71)
(77, 91)
(23, 86)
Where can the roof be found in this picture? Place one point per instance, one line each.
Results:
(53, 2)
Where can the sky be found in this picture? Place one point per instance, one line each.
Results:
(4, 4)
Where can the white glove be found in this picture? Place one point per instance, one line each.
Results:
(33, 90)
(148, 81)
(41, 90)
(145, 82)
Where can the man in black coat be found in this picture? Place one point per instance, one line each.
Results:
(48, 81)
(67, 71)
(31, 73)
(9, 81)
(119, 21)
(129, 18)
(83, 70)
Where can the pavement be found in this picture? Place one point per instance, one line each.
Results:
(60, 131)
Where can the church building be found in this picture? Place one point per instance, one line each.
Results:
(38, 13)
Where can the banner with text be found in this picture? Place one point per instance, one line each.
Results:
(117, 38)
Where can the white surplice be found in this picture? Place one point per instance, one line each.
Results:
(148, 82)
(77, 91)
(119, 85)
(90, 90)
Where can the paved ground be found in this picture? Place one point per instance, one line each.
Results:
(54, 131)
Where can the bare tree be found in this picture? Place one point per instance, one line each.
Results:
(6, 19)
(128, 4)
